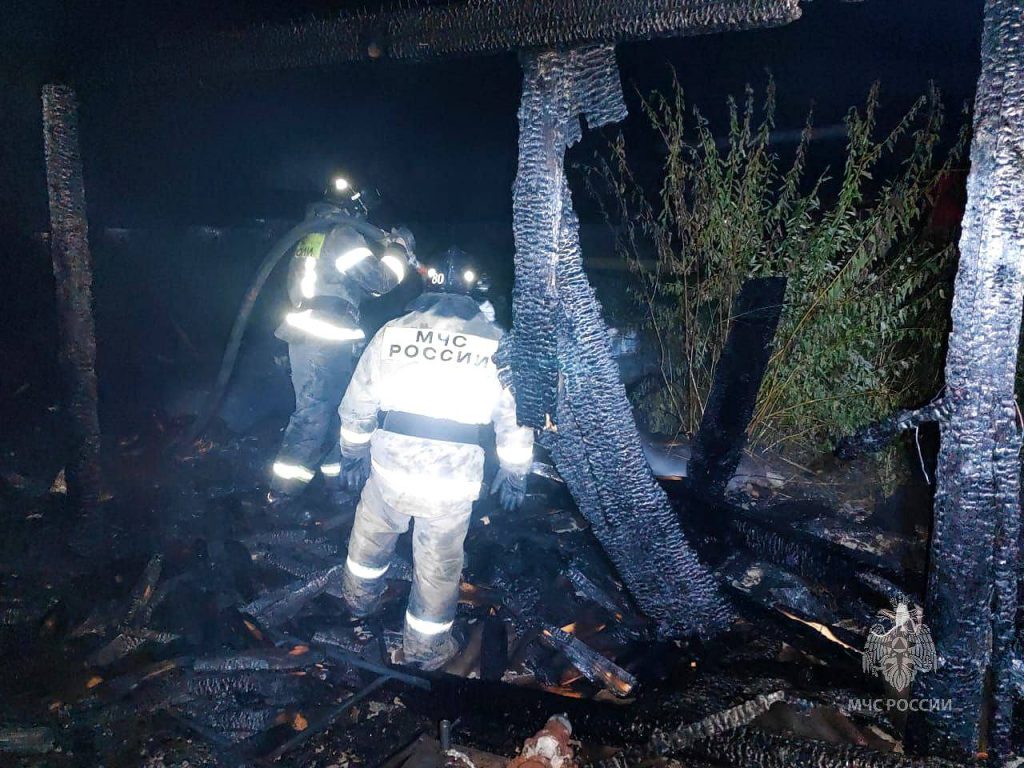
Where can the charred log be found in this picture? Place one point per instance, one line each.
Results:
(875, 437)
(589, 662)
(72, 271)
(282, 604)
(436, 30)
(716, 724)
(26, 740)
(718, 446)
(750, 748)
(971, 602)
(566, 379)
(662, 743)
(263, 660)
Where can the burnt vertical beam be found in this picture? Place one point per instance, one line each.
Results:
(567, 382)
(72, 271)
(718, 446)
(972, 583)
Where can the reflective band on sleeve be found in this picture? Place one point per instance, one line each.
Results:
(395, 264)
(356, 438)
(349, 259)
(330, 470)
(292, 471)
(425, 627)
(515, 454)
(364, 571)
(321, 329)
(308, 284)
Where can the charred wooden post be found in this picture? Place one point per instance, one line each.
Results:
(72, 271)
(718, 446)
(567, 383)
(971, 603)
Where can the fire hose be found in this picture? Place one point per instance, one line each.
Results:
(282, 246)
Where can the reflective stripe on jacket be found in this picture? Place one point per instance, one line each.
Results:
(435, 361)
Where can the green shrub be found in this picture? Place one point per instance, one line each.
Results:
(866, 311)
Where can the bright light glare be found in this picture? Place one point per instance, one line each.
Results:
(431, 272)
(321, 329)
(364, 571)
(350, 258)
(425, 627)
(515, 454)
(469, 276)
(356, 438)
(308, 282)
(340, 184)
(394, 263)
(292, 471)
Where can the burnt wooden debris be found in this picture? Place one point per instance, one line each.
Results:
(674, 577)
(72, 271)
(975, 573)
(875, 437)
(425, 31)
(566, 381)
(718, 446)
(187, 650)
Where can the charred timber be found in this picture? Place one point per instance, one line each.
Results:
(262, 660)
(718, 446)
(971, 601)
(875, 437)
(443, 30)
(662, 743)
(72, 272)
(751, 748)
(566, 381)
(279, 605)
(595, 667)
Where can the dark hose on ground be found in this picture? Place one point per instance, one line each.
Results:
(283, 245)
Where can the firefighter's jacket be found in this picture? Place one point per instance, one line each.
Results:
(436, 362)
(331, 274)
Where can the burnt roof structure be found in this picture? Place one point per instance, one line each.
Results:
(444, 30)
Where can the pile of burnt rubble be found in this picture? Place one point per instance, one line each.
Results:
(185, 625)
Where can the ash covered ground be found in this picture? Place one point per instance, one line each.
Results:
(184, 624)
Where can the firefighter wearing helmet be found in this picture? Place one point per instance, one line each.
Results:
(411, 424)
(332, 273)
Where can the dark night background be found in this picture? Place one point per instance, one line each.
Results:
(438, 139)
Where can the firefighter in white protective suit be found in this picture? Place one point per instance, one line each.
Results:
(411, 423)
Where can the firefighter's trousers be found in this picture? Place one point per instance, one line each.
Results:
(439, 532)
(320, 372)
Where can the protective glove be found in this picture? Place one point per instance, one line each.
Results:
(511, 489)
(404, 238)
(355, 470)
